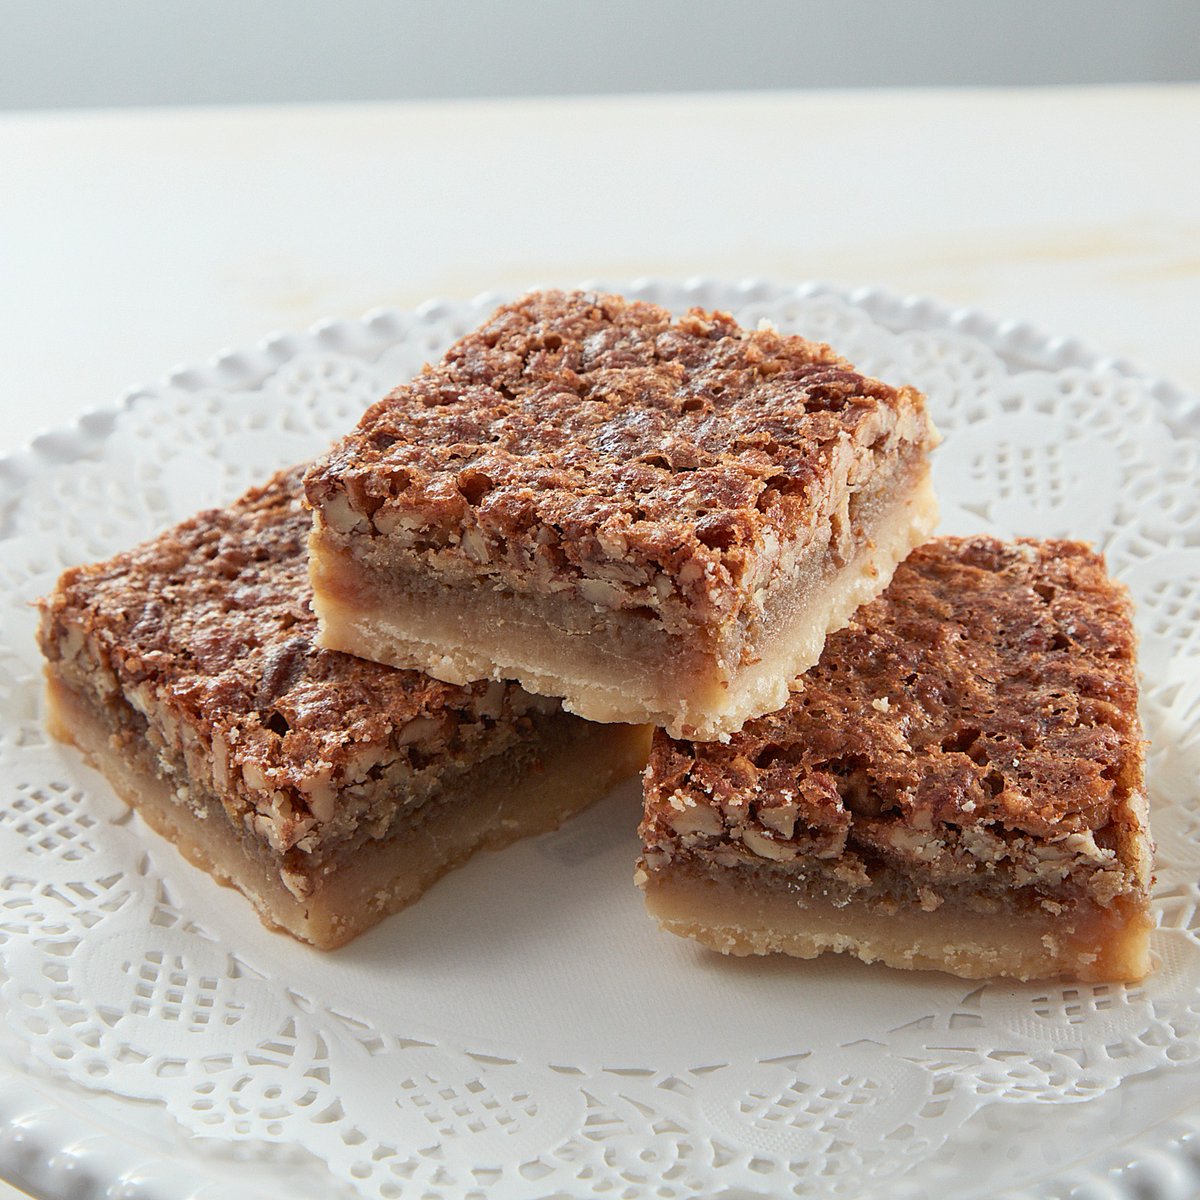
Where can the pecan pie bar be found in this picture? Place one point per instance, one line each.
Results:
(658, 520)
(956, 785)
(331, 791)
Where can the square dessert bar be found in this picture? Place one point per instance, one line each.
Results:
(956, 785)
(657, 520)
(329, 790)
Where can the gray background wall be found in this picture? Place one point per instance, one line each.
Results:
(73, 53)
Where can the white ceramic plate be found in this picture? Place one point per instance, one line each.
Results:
(524, 1031)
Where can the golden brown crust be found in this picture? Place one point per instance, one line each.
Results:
(574, 429)
(982, 708)
(207, 632)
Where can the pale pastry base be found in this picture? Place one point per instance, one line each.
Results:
(1086, 942)
(608, 672)
(379, 877)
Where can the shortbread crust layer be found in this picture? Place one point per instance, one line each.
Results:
(972, 936)
(655, 520)
(329, 789)
(957, 784)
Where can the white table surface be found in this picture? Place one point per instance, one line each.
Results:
(134, 241)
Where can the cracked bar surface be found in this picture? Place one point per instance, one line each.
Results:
(657, 520)
(956, 785)
(331, 791)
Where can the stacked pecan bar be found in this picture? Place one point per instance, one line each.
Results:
(657, 520)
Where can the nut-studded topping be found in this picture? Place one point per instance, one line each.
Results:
(986, 700)
(574, 431)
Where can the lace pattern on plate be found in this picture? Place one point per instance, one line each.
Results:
(523, 1030)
